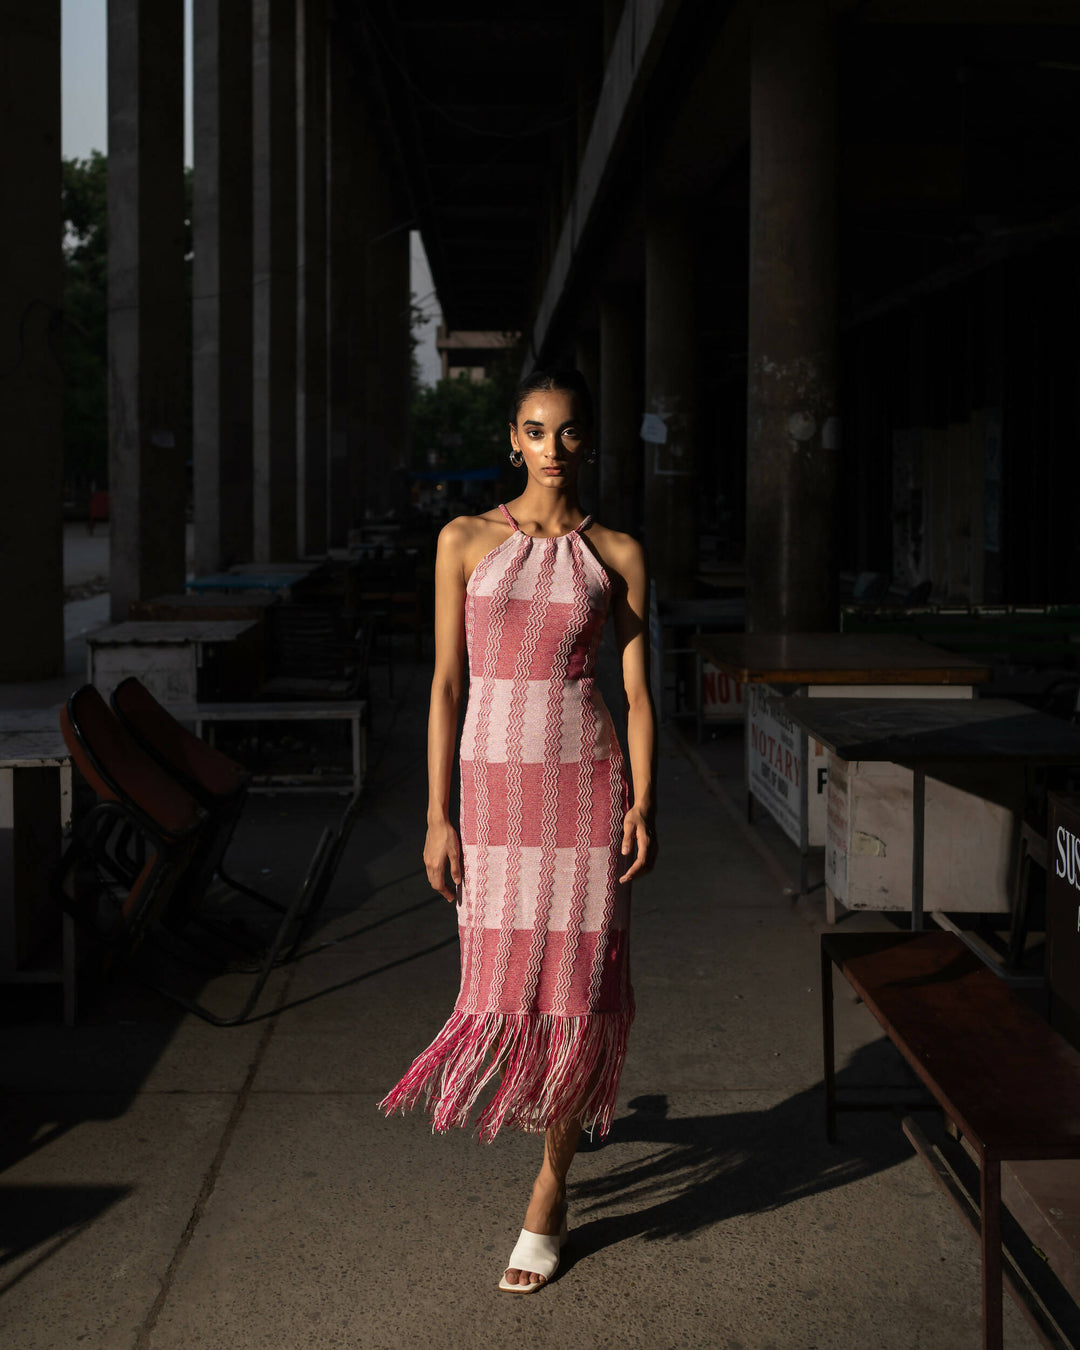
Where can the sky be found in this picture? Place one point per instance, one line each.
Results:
(85, 128)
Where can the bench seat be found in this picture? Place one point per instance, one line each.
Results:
(1004, 1078)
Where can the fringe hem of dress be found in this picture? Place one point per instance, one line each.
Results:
(554, 1070)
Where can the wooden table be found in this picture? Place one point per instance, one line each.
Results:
(168, 656)
(35, 809)
(784, 772)
(919, 734)
(837, 659)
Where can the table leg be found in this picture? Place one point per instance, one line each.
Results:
(990, 1204)
(804, 813)
(918, 840)
(827, 1044)
(746, 755)
(70, 972)
(357, 772)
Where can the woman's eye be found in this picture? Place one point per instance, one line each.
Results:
(571, 434)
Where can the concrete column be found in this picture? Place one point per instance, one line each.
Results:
(619, 407)
(670, 461)
(311, 408)
(386, 344)
(31, 395)
(274, 236)
(222, 300)
(347, 298)
(793, 432)
(148, 344)
(386, 447)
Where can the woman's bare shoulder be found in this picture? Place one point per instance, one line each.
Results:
(462, 530)
(467, 538)
(618, 551)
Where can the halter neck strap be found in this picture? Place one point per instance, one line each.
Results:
(581, 525)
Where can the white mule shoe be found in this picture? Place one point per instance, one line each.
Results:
(535, 1254)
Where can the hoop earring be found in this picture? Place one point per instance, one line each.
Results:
(519, 460)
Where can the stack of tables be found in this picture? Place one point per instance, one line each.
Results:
(929, 738)
(786, 770)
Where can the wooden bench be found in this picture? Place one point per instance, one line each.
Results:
(1007, 1082)
(353, 711)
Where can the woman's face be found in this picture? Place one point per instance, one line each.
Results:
(551, 436)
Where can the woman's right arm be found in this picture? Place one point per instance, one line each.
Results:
(442, 844)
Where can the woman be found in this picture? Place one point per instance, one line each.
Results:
(550, 839)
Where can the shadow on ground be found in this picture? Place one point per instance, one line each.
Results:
(702, 1170)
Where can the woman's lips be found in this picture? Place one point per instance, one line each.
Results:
(554, 470)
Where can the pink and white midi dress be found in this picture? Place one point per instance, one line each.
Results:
(545, 997)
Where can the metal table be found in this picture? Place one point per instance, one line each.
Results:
(35, 809)
(167, 656)
(922, 733)
(780, 771)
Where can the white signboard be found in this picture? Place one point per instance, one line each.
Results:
(721, 696)
(776, 769)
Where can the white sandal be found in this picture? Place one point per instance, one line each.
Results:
(535, 1254)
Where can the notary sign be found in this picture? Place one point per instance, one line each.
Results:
(721, 696)
(776, 767)
(1063, 915)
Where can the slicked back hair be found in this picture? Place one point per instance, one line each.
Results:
(566, 379)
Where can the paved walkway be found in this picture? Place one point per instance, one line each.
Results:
(169, 1186)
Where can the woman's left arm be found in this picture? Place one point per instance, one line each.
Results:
(631, 606)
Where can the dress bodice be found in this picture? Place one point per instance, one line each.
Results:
(535, 608)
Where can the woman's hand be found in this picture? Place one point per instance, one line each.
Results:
(637, 835)
(442, 846)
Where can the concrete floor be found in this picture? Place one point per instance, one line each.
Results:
(169, 1185)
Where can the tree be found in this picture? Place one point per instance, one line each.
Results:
(86, 319)
(463, 421)
(84, 205)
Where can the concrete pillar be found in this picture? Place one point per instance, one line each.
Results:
(612, 12)
(148, 343)
(31, 401)
(619, 408)
(274, 236)
(222, 300)
(311, 408)
(670, 483)
(793, 431)
(347, 295)
(386, 344)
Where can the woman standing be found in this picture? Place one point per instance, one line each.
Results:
(550, 834)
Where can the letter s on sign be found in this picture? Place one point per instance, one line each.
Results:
(1059, 866)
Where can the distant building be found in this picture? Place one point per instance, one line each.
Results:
(467, 352)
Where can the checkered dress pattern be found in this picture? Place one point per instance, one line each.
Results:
(545, 1002)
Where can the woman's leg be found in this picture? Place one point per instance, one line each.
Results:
(544, 1214)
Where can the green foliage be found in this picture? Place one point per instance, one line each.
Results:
(83, 186)
(465, 421)
(85, 301)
